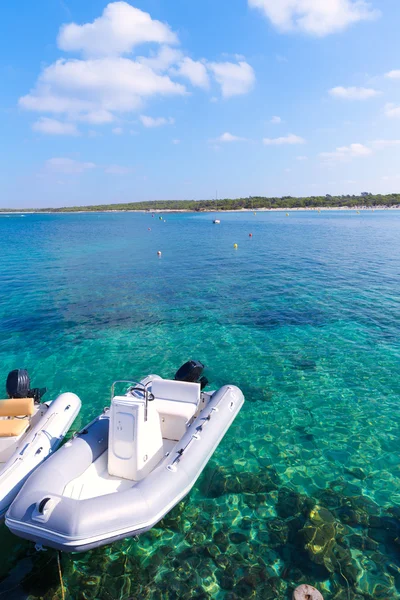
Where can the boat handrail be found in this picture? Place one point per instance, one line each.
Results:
(148, 397)
(194, 437)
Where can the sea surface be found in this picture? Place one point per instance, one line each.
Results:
(304, 316)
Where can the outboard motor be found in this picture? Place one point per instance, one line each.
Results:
(18, 385)
(191, 373)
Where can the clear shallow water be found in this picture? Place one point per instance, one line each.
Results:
(304, 317)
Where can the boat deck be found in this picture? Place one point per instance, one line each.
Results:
(96, 481)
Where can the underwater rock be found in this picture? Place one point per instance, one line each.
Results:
(222, 561)
(220, 538)
(116, 587)
(384, 530)
(357, 473)
(245, 589)
(329, 498)
(89, 586)
(290, 503)
(364, 503)
(319, 541)
(222, 482)
(320, 515)
(361, 542)
(350, 516)
(303, 364)
(278, 532)
(389, 524)
(237, 537)
(225, 581)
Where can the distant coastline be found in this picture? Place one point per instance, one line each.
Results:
(65, 211)
(252, 203)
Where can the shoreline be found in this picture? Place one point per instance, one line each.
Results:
(170, 210)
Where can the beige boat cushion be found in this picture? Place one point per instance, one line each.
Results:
(17, 407)
(13, 427)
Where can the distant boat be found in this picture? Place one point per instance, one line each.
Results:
(217, 221)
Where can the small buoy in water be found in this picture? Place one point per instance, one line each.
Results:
(148, 229)
(287, 214)
(358, 212)
(160, 218)
(250, 235)
(159, 253)
(254, 213)
(152, 216)
(307, 592)
(235, 246)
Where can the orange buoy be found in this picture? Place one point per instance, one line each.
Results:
(250, 235)
(159, 253)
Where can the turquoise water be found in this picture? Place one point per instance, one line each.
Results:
(304, 317)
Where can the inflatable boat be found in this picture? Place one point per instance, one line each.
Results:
(129, 467)
(29, 432)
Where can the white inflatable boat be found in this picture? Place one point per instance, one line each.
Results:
(129, 467)
(29, 432)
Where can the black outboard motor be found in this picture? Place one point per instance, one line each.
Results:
(191, 372)
(18, 385)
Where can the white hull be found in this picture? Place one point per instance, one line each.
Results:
(86, 507)
(22, 455)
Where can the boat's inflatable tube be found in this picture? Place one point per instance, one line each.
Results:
(44, 438)
(41, 513)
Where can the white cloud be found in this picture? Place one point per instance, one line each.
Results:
(117, 131)
(354, 93)
(290, 139)
(117, 170)
(228, 137)
(276, 121)
(315, 17)
(346, 153)
(54, 127)
(156, 122)
(176, 142)
(120, 28)
(393, 74)
(234, 79)
(301, 158)
(93, 90)
(96, 117)
(68, 166)
(195, 71)
(382, 144)
(105, 84)
(392, 111)
(165, 58)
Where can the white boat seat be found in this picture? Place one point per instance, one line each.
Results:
(13, 427)
(176, 403)
(176, 391)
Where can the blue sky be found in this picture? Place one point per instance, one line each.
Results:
(154, 99)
